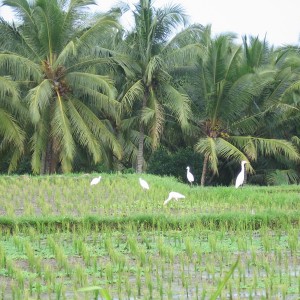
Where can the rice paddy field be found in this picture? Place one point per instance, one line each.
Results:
(61, 238)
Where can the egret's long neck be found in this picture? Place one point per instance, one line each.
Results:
(243, 168)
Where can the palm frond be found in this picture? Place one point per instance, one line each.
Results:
(94, 82)
(229, 152)
(21, 67)
(39, 99)
(10, 99)
(233, 97)
(252, 146)
(232, 61)
(104, 25)
(169, 18)
(129, 123)
(15, 157)
(135, 93)
(296, 140)
(282, 177)
(246, 125)
(269, 147)
(11, 131)
(99, 101)
(64, 55)
(98, 127)
(21, 8)
(8, 89)
(11, 39)
(87, 62)
(177, 103)
(72, 15)
(153, 116)
(283, 84)
(207, 146)
(189, 35)
(38, 145)
(61, 130)
(155, 64)
(83, 133)
(183, 55)
(246, 144)
(293, 87)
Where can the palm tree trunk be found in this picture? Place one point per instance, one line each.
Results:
(43, 164)
(49, 160)
(140, 154)
(204, 170)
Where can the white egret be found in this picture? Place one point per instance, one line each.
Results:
(175, 196)
(241, 177)
(189, 175)
(96, 180)
(144, 184)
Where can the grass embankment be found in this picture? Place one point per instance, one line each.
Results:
(69, 202)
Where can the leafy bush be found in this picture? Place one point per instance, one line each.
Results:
(164, 163)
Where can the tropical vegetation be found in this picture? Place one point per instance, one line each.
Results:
(79, 92)
(82, 97)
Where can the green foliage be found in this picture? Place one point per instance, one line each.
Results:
(151, 92)
(52, 48)
(282, 177)
(93, 92)
(12, 113)
(164, 163)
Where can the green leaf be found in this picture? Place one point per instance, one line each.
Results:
(221, 285)
(104, 293)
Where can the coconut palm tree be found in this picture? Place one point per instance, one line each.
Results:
(12, 113)
(56, 50)
(227, 128)
(280, 110)
(150, 94)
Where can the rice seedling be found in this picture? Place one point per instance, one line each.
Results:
(127, 287)
(49, 275)
(10, 210)
(109, 273)
(59, 254)
(58, 290)
(139, 281)
(189, 247)
(80, 276)
(293, 240)
(16, 292)
(83, 251)
(149, 283)
(169, 292)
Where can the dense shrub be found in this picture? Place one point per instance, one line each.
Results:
(174, 164)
